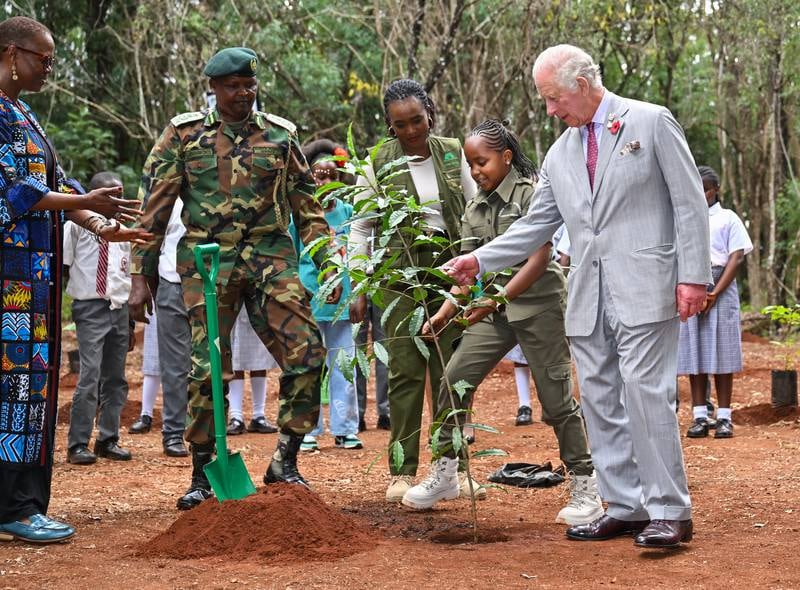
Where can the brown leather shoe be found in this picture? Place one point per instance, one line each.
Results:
(605, 528)
(665, 534)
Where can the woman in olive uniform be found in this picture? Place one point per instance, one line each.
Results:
(439, 179)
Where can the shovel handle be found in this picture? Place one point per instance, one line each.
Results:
(215, 359)
(201, 251)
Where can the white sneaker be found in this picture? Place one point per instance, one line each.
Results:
(309, 444)
(398, 488)
(584, 504)
(477, 489)
(440, 484)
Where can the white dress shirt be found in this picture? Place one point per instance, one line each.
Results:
(81, 250)
(167, 261)
(599, 119)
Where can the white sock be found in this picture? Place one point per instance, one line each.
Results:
(235, 395)
(258, 386)
(150, 385)
(522, 375)
(700, 412)
(724, 414)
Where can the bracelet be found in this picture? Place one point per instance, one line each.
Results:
(96, 223)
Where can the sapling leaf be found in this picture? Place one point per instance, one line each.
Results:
(489, 453)
(458, 441)
(422, 347)
(345, 364)
(388, 311)
(363, 362)
(397, 217)
(380, 353)
(484, 427)
(397, 454)
(461, 388)
(415, 322)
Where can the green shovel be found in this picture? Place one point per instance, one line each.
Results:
(227, 474)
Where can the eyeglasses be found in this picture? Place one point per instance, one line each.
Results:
(47, 60)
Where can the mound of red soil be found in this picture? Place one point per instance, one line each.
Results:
(279, 523)
(130, 413)
(761, 414)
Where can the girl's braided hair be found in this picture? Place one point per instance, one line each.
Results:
(499, 137)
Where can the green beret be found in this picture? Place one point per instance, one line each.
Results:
(232, 61)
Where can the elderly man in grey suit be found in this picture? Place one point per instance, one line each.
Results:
(623, 180)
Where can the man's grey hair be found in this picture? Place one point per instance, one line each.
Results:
(569, 63)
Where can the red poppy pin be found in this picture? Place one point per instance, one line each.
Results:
(614, 124)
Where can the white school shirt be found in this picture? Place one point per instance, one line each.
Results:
(728, 234)
(423, 175)
(167, 261)
(81, 250)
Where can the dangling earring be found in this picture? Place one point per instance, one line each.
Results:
(14, 71)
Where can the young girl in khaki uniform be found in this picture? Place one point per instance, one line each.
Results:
(533, 316)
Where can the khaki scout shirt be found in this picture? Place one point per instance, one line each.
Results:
(230, 179)
(488, 216)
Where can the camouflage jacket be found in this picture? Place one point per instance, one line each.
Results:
(238, 187)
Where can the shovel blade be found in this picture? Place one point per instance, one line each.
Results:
(231, 481)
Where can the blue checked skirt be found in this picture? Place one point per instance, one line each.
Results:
(711, 343)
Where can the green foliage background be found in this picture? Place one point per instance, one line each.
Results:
(728, 71)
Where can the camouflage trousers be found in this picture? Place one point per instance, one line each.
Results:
(280, 313)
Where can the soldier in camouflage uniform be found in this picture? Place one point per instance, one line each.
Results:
(241, 176)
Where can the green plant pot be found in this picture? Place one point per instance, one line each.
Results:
(784, 388)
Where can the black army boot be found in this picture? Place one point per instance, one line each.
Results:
(200, 489)
(284, 462)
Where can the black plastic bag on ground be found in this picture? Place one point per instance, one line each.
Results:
(529, 475)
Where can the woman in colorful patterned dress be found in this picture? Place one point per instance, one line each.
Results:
(35, 196)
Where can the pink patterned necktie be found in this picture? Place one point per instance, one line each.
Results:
(591, 153)
(102, 267)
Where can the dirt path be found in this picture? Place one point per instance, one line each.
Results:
(746, 493)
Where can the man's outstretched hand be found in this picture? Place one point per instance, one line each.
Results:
(462, 268)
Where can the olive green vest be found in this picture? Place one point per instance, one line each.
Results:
(446, 154)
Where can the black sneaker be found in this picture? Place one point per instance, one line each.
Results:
(142, 425)
(724, 428)
(235, 426)
(699, 429)
(262, 426)
(524, 416)
(384, 423)
(362, 425)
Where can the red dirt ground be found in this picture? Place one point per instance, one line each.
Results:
(746, 494)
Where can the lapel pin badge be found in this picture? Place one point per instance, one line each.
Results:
(630, 147)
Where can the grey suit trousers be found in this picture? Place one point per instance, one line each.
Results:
(103, 345)
(174, 355)
(628, 392)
